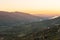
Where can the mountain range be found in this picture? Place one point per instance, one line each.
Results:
(24, 23)
(24, 28)
(14, 18)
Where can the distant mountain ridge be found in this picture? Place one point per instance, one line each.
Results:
(10, 18)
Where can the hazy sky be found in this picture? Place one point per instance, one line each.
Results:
(31, 6)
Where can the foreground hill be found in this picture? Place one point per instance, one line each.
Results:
(14, 18)
(46, 34)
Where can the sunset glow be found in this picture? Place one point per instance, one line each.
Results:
(51, 7)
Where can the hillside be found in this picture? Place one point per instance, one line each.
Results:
(14, 18)
(31, 27)
(24, 29)
(46, 34)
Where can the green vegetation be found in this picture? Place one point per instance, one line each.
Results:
(52, 33)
